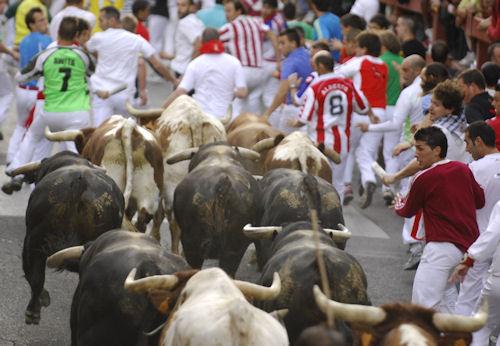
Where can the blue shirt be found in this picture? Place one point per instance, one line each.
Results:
(296, 62)
(29, 47)
(213, 17)
(327, 27)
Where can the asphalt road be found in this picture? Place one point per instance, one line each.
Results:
(376, 244)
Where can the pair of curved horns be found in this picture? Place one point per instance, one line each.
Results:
(57, 259)
(371, 315)
(61, 136)
(143, 113)
(27, 168)
(229, 115)
(187, 154)
(167, 282)
(332, 155)
(267, 232)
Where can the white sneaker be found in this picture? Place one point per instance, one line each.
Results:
(468, 59)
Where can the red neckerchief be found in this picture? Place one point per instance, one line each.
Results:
(212, 47)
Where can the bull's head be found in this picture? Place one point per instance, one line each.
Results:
(390, 324)
(270, 232)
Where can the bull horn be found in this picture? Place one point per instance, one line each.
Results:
(353, 313)
(159, 282)
(279, 314)
(259, 292)
(27, 168)
(248, 153)
(186, 154)
(61, 136)
(338, 235)
(229, 115)
(57, 259)
(448, 323)
(143, 113)
(264, 144)
(265, 232)
(332, 155)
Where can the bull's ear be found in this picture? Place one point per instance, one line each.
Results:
(278, 139)
(81, 141)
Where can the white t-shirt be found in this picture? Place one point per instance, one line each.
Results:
(117, 58)
(214, 77)
(365, 8)
(70, 11)
(188, 30)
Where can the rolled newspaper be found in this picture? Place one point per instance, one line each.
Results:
(379, 171)
(115, 90)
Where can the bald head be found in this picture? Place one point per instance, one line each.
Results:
(323, 62)
(411, 68)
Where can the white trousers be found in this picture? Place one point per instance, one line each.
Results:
(338, 172)
(255, 78)
(353, 146)
(271, 84)
(25, 101)
(470, 289)
(35, 136)
(430, 286)
(491, 291)
(6, 94)
(391, 138)
(367, 150)
(157, 26)
(115, 104)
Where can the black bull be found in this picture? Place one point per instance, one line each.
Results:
(71, 204)
(293, 256)
(288, 195)
(212, 204)
(103, 312)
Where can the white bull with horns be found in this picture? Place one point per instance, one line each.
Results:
(212, 309)
(182, 125)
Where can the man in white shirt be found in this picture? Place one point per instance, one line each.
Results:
(480, 143)
(215, 77)
(73, 8)
(365, 9)
(117, 60)
(187, 34)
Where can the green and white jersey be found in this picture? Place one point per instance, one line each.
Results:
(65, 70)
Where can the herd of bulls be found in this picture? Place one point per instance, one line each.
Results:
(222, 186)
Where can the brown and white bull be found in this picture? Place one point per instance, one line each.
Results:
(402, 324)
(211, 309)
(181, 126)
(297, 151)
(131, 156)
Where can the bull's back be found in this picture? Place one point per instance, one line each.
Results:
(75, 200)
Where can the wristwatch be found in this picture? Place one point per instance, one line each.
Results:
(467, 260)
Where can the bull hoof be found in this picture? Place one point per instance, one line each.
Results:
(44, 298)
(32, 317)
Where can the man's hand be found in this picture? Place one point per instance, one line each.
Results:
(166, 56)
(336, 44)
(363, 127)
(399, 148)
(389, 179)
(374, 119)
(104, 94)
(14, 54)
(458, 273)
(294, 80)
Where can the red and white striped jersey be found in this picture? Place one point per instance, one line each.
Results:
(253, 7)
(370, 75)
(276, 24)
(243, 38)
(329, 103)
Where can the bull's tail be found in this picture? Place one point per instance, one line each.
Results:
(312, 193)
(128, 128)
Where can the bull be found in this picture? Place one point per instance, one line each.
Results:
(103, 312)
(402, 324)
(294, 257)
(72, 203)
(213, 203)
(182, 125)
(297, 151)
(132, 157)
(246, 131)
(211, 309)
(286, 197)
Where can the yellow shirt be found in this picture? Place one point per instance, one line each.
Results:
(21, 29)
(95, 5)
